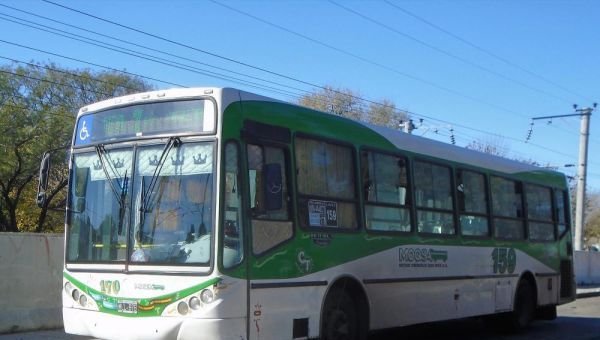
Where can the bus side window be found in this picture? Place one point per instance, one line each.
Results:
(232, 229)
(385, 184)
(269, 197)
(327, 195)
(433, 191)
(507, 208)
(472, 203)
(560, 212)
(539, 213)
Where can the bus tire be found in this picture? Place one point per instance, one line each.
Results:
(340, 319)
(524, 308)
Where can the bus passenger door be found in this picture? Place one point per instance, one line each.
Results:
(270, 226)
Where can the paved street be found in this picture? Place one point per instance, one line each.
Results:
(579, 320)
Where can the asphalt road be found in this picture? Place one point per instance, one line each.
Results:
(579, 320)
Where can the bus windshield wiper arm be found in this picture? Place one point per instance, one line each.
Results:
(146, 195)
(101, 152)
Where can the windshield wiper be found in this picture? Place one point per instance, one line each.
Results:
(146, 194)
(102, 155)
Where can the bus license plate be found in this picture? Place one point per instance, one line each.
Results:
(130, 307)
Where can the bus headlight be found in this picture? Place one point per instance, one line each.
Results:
(207, 296)
(68, 287)
(183, 308)
(195, 303)
(83, 300)
(75, 294)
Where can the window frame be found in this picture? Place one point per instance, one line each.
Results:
(244, 219)
(566, 212)
(488, 208)
(452, 192)
(409, 193)
(291, 201)
(356, 201)
(551, 221)
(286, 171)
(522, 219)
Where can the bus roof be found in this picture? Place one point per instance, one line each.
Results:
(453, 153)
(224, 96)
(403, 141)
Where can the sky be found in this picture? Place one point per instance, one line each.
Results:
(477, 70)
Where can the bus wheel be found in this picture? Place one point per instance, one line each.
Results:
(524, 308)
(340, 318)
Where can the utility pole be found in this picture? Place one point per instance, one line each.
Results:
(584, 131)
(586, 113)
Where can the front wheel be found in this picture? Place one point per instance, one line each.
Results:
(340, 318)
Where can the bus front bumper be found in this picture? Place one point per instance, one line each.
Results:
(107, 326)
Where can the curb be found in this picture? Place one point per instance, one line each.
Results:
(587, 292)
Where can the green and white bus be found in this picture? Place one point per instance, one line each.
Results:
(213, 213)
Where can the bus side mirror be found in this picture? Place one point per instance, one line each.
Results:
(273, 187)
(43, 184)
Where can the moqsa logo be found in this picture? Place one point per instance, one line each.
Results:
(412, 255)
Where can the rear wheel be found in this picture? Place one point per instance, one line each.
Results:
(340, 318)
(524, 310)
(522, 315)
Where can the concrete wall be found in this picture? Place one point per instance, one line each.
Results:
(587, 268)
(30, 281)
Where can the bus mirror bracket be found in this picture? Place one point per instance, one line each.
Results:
(43, 180)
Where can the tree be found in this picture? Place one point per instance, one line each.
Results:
(591, 229)
(38, 106)
(347, 103)
(492, 147)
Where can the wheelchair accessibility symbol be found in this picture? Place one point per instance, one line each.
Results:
(83, 132)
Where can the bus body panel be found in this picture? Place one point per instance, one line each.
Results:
(105, 326)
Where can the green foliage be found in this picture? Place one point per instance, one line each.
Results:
(347, 103)
(38, 106)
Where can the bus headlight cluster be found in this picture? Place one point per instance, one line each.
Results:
(78, 296)
(194, 302)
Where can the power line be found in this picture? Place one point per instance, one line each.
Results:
(269, 71)
(53, 82)
(252, 85)
(184, 45)
(70, 73)
(444, 52)
(483, 50)
(120, 49)
(368, 61)
(229, 59)
(90, 63)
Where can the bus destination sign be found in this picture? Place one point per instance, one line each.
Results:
(147, 119)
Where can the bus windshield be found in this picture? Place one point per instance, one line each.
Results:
(161, 213)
